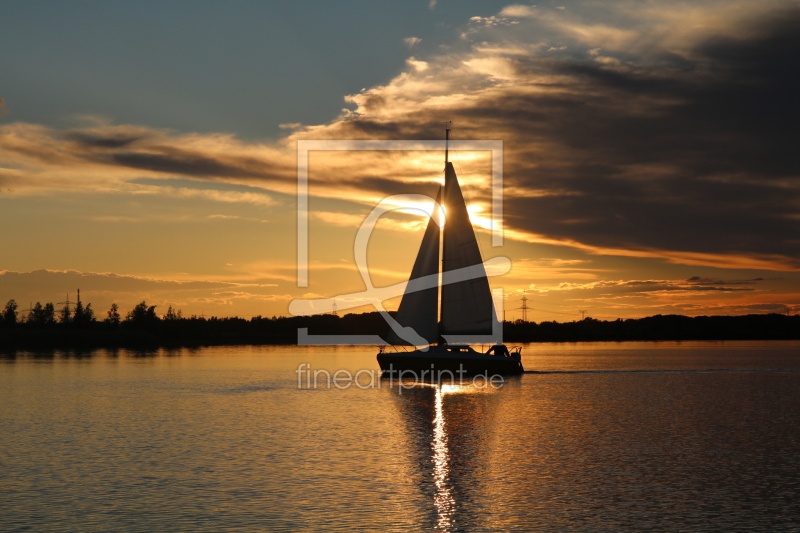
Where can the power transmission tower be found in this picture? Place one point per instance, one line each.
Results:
(65, 315)
(26, 312)
(334, 312)
(524, 306)
(583, 314)
(67, 303)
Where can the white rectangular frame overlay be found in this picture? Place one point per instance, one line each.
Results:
(306, 146)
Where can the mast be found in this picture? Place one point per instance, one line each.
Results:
(446, 142)
(440, 307)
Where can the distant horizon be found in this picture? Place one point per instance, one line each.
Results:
(100, 314)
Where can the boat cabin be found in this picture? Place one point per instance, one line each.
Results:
(456, 348)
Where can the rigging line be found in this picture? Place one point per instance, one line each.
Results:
(558, 304)
(518, 292)
(535, 308)
(550, 311)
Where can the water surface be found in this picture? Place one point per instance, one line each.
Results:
(615, 437)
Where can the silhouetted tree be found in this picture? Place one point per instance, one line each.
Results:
(35, 313)
(77, 316)
(65, 315)
(142, 315)
(83, 315)
(10, 313)
(88, 315)
(172, 314)
(49, 314)
(113, 315)
(42, 315)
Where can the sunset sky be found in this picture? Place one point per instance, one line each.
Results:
(148, 150)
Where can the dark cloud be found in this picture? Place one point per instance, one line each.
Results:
(388, 186)
(695, 155)
(174, 161)
(697, 280)
(690, 285)
(47, 158)
(101, 140)
(188, 165)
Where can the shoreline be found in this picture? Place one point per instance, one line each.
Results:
(199, 332)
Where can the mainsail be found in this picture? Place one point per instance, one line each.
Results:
(467, 307)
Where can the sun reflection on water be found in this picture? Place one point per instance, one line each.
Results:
(447, 387)
(443, 499)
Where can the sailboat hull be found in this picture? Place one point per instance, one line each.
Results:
(460, 361)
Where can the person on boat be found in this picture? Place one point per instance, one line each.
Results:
(499, 349)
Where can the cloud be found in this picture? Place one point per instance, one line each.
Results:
(253, 198)
(355, 221)
(105, 158)
(518, 10)
(419, 66)
(606, 287)
(291, 125)
(236, 217)
(524, 271)
(412, 41)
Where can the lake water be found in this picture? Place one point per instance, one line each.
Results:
(617, 437)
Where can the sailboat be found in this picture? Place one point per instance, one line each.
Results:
(465, 308)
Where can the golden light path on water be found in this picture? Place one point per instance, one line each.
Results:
(443, 499)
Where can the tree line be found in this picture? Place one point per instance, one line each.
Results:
(658, 328)
(47, 316)
(46, 326)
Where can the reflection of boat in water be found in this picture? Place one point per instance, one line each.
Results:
(467, 311)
